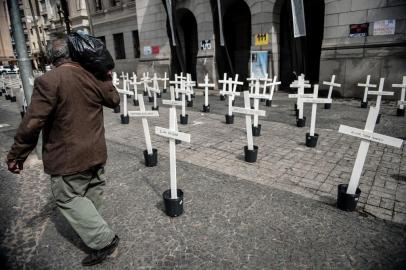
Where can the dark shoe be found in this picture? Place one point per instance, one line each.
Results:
(97, 256)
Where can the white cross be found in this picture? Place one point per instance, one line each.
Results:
(331, 84)
(190, 84)
(315, 100)
(164, 79)
(367, 135)
(231, 93)
(155, 90)
(273, 85)
(248, 112)
(145, 80)
(135, 84)
(256, 96)
(172, 102)
(177, 82)
(224, 83)
(144, 114)
(402, 93)
(173, 134)
(380, 93)
(252, 81)
(124, 76)
(366, 85)
(183, 90)
(300, 85)
(206, 86)
(123, 91)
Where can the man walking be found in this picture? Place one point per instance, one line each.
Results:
(67, 105)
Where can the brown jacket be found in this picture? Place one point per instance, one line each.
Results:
(67, 105)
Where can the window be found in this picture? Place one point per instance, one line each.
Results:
(119, 46)
(136, 42)
(98, 5)
(103, 39)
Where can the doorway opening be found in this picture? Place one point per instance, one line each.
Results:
(302, 54)
(187, 30)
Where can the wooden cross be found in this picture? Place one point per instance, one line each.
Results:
(189, 84)
(331, 84)
(402, 86)
(314, 101)
(123, 91)
(164, 79)
(144, 114)
(135, 84)
(177, 84)
(173, 102)
(206, 86)
(183, 90)
(300, 85)
(380, 93)
(145, 80)
(248, 112)
(124, 76)
(366, 85)
(252, 81)
(173, 134)
(230, 93)
(367, 135)
(273, 83)
(224, 82)
(155, 90)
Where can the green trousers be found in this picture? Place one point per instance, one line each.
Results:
(79, 198)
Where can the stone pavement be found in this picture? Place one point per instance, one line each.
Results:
(278, 213)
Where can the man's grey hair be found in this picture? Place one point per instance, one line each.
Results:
(57, 49)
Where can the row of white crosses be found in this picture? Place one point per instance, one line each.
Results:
(266, 83)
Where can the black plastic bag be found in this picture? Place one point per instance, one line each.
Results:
(91, 53)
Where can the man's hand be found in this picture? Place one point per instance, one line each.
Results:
(14, 166)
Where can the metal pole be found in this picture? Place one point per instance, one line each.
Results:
(21, 48)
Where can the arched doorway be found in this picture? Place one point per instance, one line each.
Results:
(237, 37)
(187, 30)
(302, 54)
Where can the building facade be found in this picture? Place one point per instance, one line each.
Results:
(115, 22)
(348, 38)
(6, 46)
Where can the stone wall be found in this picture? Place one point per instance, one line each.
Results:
(352, 59)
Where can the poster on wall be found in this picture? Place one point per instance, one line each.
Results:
(261, 39)
(205, 44)
(259, 64)
(155, 49)
(384, 27)
(147, 50)
(359, 30)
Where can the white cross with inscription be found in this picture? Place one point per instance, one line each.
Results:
(206, 85)
(367, 135)
(331, 85)
(314, 101)
(144, 114)
(380, 93)
(173, 135)
(401, 102)
(248, 112)
(172, 102)
(366, 85)
(300, 85)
